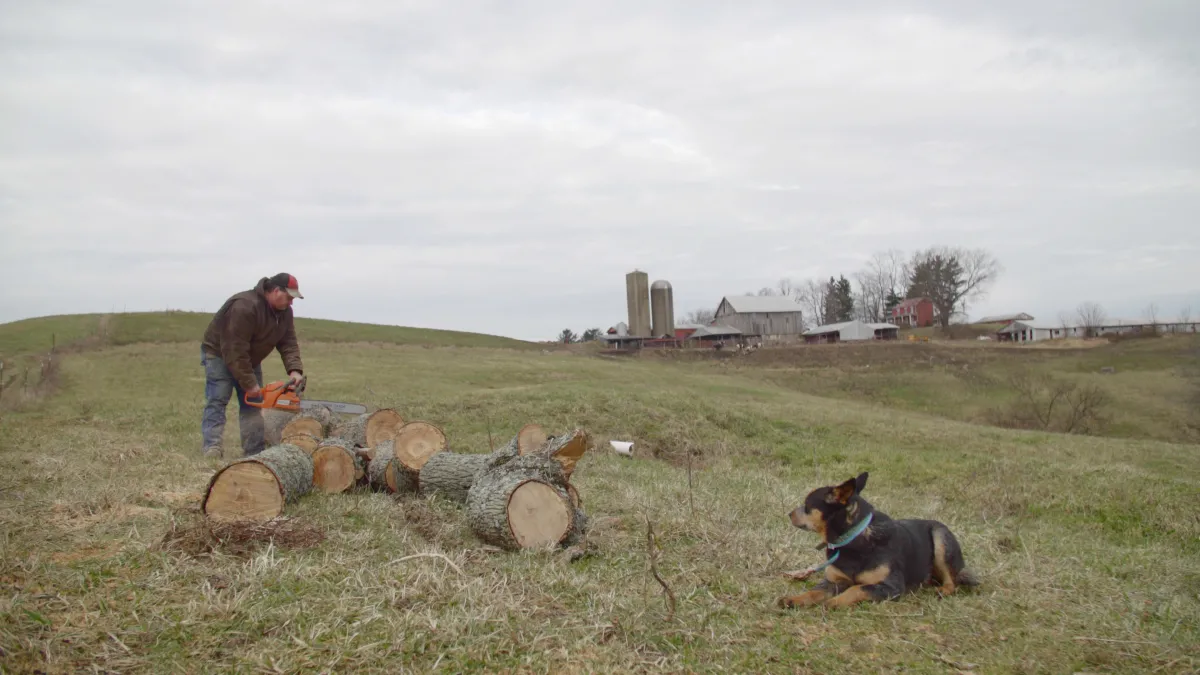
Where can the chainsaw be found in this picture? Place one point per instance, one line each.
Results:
(284, 395)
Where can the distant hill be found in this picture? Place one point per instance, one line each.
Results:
(37, 334)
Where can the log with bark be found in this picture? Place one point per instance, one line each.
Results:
(527, 501)
(336, 467)
(315, 422)
(369, 430)
(258, 487)
(274, 420)
(517, 511)
(450, 474)
(395, 464)
(305, 442)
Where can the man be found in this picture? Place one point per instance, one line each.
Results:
(247, 328)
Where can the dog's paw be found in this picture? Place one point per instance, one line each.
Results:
(786, 602)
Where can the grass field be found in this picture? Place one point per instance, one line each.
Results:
(1087, 546)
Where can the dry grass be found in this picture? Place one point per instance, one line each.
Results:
(1086, 546)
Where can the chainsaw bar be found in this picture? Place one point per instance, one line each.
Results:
(335, 406)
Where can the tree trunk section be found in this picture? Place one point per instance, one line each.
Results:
(314, 421)
(382, 425)
(377, 473)
(305, 442)
(530, 438)
(515, 512)
(274, 420)
(567, 449)
(258, 487)
(450, 474)
(353, 430)
(336, 468)
(412, 447)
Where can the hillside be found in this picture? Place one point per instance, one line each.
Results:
(101, 565)
(35, 335)
(1151, 391)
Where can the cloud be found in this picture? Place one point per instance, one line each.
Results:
(501, 169)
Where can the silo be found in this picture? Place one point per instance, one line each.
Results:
(662, 308)
(637, 297)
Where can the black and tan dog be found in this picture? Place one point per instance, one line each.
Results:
(870, 556)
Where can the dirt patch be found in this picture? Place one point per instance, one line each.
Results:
(85, 553)
(200, 537)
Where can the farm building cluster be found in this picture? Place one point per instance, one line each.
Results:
(748, 321)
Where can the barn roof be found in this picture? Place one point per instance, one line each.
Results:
(754, 304)
(714, 331)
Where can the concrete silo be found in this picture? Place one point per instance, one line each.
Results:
(637, 297)
(662, 308)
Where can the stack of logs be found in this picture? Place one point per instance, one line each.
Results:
(516, 496)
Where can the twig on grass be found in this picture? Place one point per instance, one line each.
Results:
(651, 545)
(1117, 642)
(429, 555)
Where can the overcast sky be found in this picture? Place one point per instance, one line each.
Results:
(500, 166)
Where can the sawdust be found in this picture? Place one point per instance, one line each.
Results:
(202, 537)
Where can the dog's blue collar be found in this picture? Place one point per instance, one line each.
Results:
(845, 539)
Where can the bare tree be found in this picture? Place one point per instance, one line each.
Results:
(1185, 318)
(786, 287)
(1150, 314)
(814, 298)
(700, 317)
(952, 278)
(885, 273)
(1091, 318)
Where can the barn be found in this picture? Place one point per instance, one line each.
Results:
(770, 317)
(848, 331)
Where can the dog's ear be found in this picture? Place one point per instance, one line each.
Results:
(842, 493)
(860, 483)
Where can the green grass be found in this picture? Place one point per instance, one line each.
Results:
(1087, 546)
(30, 336)
(1151, 393)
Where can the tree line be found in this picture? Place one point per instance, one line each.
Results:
(953, 278)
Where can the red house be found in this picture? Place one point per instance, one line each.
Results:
(913, 313)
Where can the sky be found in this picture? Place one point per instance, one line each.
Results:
(500, 166)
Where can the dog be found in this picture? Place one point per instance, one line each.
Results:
(869, 555)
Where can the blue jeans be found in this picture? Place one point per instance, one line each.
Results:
(219, 385)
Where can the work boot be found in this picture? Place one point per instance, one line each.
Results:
(213, 453)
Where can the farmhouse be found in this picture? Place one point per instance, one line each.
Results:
(767, 316)
(913, 313)
(851, 331)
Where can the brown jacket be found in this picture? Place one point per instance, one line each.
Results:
(245, 331)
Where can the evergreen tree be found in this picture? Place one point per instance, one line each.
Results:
(845, 300)
(891, 301)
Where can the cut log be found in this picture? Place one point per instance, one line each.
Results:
(530, 438)
(416, 443)
(274, 420)
(258, 487)
(314, 422)
(305, 442)
(567, 449)
(377, 465)
(382, 425)
(336, 468)
(514, 512)
(450, 474)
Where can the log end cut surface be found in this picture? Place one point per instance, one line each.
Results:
(417, 442)
(530, 438)
(382, 425)
(244, 491)
(334, 469)
(537, 515)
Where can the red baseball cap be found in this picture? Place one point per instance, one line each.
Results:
(288, 283)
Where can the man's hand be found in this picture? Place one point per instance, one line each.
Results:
(256, 392)
(295, 377)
